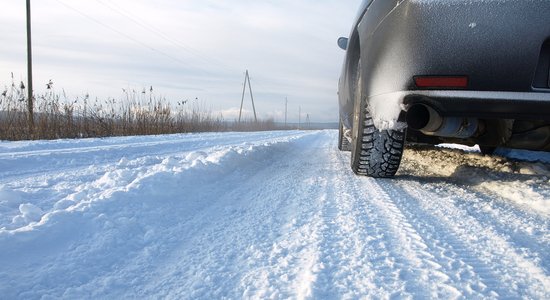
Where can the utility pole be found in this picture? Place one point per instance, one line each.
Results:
(29, 71)
(299, 117)
(242, 98)
(308, 124)
(286, 109)
(247, 78)
(251, 97)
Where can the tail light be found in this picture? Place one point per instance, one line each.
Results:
(441, 82)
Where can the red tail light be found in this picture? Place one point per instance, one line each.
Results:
(446, 82)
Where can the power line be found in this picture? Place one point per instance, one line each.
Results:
(158, 33)
(115, 8)
(126, 35)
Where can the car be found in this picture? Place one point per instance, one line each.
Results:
(443, 71)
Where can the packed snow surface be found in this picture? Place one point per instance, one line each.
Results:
(268, 215)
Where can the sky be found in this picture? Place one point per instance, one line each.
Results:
(194, 50)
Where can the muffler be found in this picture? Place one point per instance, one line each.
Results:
(427, 120)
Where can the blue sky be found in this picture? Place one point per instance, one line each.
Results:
(185, 49)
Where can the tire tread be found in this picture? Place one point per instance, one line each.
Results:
(381, 151)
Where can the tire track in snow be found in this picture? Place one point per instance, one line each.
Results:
(509, 242)
(525, 229)
(512, 273)
(452, 258)
(347, 270)
(362, 253)
(418, 269)
(272, 227)
(459, 270)
(527, 233)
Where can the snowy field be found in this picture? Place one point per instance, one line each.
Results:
(268, 215)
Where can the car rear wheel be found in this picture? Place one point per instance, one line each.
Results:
(343, 142)
(374, 153)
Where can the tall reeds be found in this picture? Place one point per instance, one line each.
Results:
(137, 113)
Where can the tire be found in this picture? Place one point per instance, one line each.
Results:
(374, 153)
(343, 142)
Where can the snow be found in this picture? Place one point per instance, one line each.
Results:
(268, 215)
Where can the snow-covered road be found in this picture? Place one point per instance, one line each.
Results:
(267, 215)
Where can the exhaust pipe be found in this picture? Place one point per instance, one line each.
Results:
(427, 120)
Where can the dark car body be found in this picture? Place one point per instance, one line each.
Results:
(479, 68)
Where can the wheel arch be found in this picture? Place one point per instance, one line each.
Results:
(353, 55)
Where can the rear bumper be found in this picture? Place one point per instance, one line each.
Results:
(483, 104)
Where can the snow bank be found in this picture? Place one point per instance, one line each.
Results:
(95, 218)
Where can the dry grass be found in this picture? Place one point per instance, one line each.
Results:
(137, 113)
